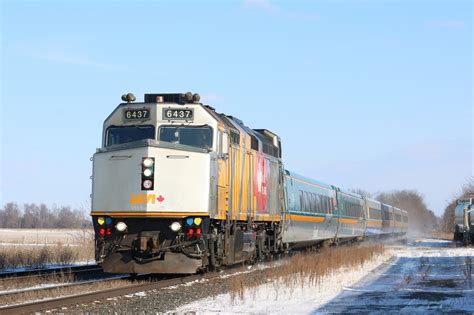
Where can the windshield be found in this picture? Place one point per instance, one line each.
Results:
(200, 137)
(124, 134)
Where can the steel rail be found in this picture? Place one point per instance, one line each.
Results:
(62, 285)
(98, 295)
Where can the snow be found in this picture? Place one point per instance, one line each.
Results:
(276, 297)
(226, 275)
(140, 294)
(426, 275)
(46, 236)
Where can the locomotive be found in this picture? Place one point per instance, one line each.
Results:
(464, 221)
(180, 188)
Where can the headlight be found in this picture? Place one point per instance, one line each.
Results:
(175, 226)
(147, 172)
(100, 220)
(121, 226)
(147, 184)
(147, 162)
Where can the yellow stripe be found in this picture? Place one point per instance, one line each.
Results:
(305, 218)
(149, 214)
(376, 223)
(347, 221)
(267, 217)
(243, 216)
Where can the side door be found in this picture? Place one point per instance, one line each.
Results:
(223, 178)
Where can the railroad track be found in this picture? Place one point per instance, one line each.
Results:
(55, 303)
(54, 286)
(64, 276)
(44, 280)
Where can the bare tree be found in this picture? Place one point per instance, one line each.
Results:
(11, 215)
(420, 218)
(32, 215)
(362, 192)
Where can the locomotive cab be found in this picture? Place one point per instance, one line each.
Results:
(154, 184)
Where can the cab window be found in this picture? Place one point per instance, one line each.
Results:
(200, 137)
(124, 134)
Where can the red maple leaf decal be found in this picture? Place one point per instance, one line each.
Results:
(160, 198)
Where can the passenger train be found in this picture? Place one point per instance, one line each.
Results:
(180, 188)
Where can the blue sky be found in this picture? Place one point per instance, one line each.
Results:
(364, 94)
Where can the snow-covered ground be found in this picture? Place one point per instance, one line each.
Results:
(428, 276)
(275, 297)
(45, 236)
(423, 276)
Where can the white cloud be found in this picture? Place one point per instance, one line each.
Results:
(73, 59)
(449, 24)
(265, 5)
(61, 54)
(271, 8)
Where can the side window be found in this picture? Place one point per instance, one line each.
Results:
(234, 137)
(254, 143)
(225, 143)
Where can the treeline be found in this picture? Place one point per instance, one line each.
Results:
(447, 221)
(420, 218)
(31, 215)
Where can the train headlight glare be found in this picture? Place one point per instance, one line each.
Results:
(121, 226)
(100, 220)
(147, 162)
(175, 226)
(147, 172)
(147, 184)
(189, 221)
(197, 221)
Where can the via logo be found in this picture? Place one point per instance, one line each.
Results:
(144, 199)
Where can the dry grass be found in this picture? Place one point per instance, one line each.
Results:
(40, 256)
(442, 235)
(307, 267)
(28, 282)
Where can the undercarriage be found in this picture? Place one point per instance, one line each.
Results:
(150, 246)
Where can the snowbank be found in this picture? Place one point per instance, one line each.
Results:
(275, 297)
